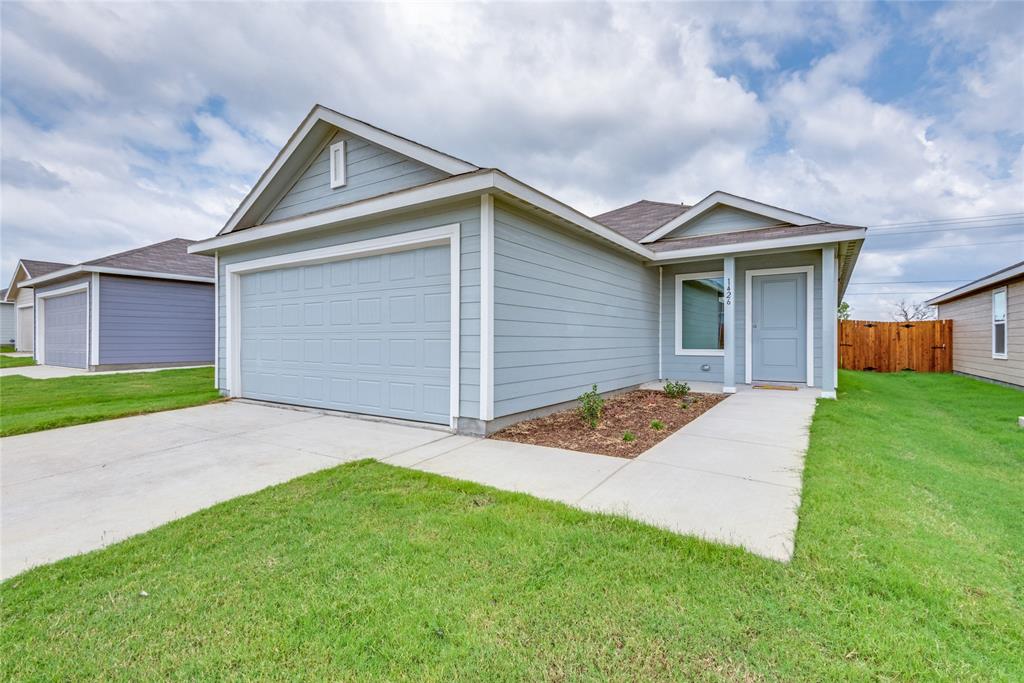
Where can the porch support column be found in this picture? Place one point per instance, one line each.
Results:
(829, 313)
(729, 319)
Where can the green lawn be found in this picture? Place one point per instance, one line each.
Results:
(16, 361)
(7, 348)
(30, 405)
(909, 566)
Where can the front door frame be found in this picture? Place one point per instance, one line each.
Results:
(748, 350)
(446, 234)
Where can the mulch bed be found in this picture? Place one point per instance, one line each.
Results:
(632, 411)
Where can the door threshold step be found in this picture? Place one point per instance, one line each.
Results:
(775, 387)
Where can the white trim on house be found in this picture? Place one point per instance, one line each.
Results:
(748, 302)
(985, 282)
(829, 321)
(719, 198)
(755, 247)
(413, 150)
(11, 287)
(216, 320)
(106, 270)
(729, 320)
(337, 164)
(40, 318)
(1005, 322)
(94, 320)
(486, 307)
(451, 188)
(447, 234)
(25, 305)
(678, 322)
(661, 322)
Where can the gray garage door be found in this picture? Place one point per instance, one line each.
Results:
(66, 330)
(368, 335)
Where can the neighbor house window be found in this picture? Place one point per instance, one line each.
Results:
(337, 164)
(700, 314)
(999, 323)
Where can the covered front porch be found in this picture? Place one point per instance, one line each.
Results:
(759, 318)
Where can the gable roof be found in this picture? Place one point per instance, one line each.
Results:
(168, 260)
(641, 218)
(30, 268)
(306, 141)
(719, 198)
(990, 280)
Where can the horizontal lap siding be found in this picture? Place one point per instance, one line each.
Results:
(155, 321)
(684, 367)
(568, 313)
(8, 322)
(371, 171)
(972, 335)
(466, 214)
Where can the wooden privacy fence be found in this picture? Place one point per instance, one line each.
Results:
(925, 346)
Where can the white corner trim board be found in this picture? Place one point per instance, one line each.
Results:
(678, 322)
(748, 302)
(40, 316)
(446, 234)
(216, 320)
(94, 320)
(487, 307)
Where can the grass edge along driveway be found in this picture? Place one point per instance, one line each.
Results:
(908, 566)
(32, 405)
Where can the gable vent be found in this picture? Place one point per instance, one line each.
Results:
(338, 164)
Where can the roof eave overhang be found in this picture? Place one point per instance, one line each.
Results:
(107, 270)
(491, 181)
(14, 285)
(984, 283)
(766, 245)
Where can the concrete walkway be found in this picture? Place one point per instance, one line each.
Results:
(732, 475)
(55, 371)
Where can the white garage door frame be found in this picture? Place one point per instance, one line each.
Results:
(40, 315)
(444, 235)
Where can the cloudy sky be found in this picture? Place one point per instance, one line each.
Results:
(124, 124)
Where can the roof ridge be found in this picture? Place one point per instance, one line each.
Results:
(137, 249)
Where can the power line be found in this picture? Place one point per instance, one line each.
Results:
(963, 219)
(908, 282)
(945, 229)
(925, 291)
(951, 246)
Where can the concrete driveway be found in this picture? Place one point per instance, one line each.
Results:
(733, 475)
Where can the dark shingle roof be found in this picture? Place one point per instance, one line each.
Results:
(639, 219)
(163, 257)
(38, 268)
(737, 236)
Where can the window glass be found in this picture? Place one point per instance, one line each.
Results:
(999, 322)
(703, 314)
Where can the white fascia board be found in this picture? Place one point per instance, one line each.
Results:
(983, 283)
(413, 150)
(725, 199)
(11, 287)
(760, 245)
(441, 190)
(74, 270)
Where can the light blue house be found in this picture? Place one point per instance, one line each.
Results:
(146, 307)
(371, 274)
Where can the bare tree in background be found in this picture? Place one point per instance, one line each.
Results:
(908, 312)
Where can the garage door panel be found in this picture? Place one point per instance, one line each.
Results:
(65, 330)
(369, 335)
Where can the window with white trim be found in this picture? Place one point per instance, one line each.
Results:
(700, 314)
(999, 323)
(338, 164)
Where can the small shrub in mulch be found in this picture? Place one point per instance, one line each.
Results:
(631, 413)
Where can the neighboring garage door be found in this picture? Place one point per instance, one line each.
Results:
(367, 335)
(26, 321)
(65, 330)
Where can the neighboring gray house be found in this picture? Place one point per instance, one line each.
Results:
(370, 274)
(147, 307)
(8, 319)
(988, 325)
(23, 299)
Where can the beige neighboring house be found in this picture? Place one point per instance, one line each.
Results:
(24, 300)
(988, 325)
